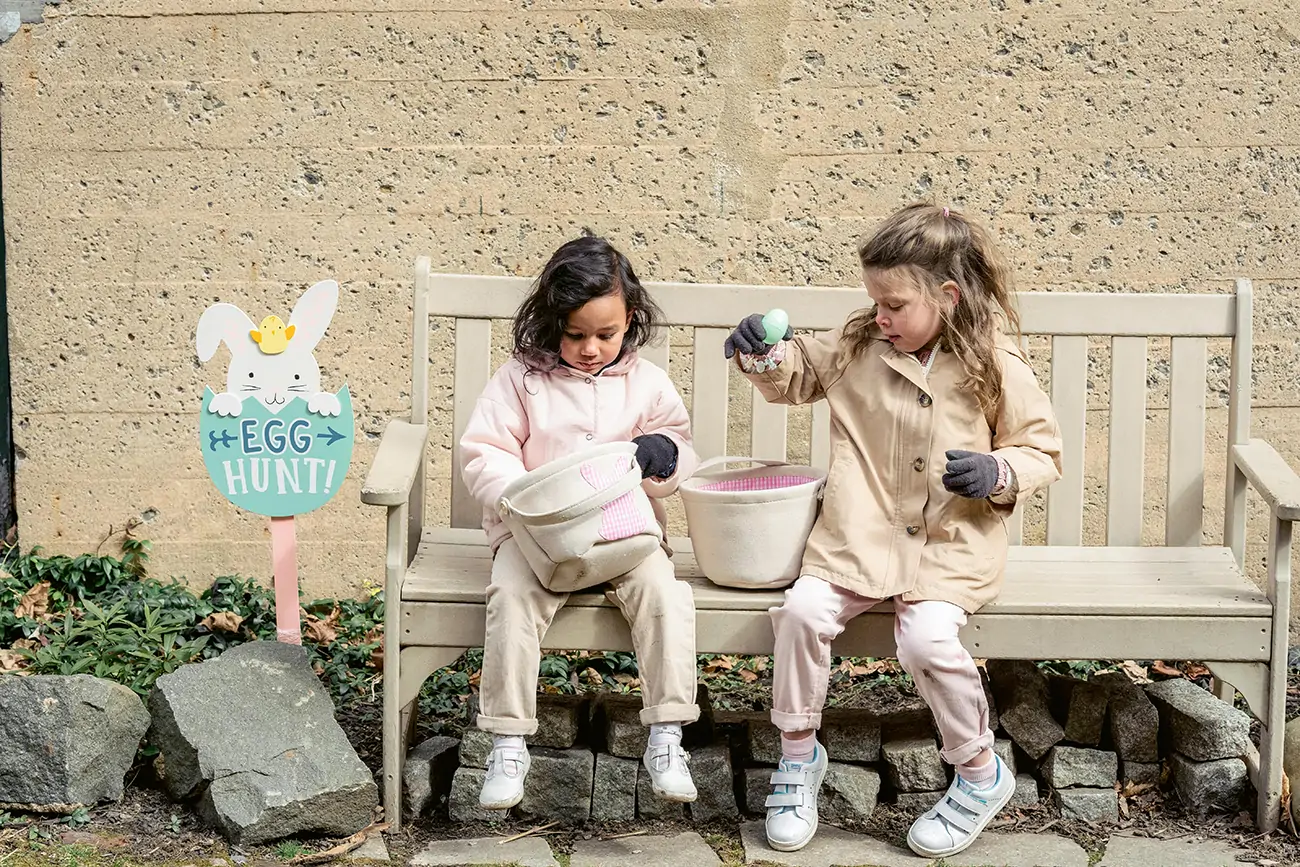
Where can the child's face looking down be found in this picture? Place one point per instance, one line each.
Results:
(908, 315)
(593, 334)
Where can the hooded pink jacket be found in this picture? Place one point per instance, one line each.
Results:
(524, 420)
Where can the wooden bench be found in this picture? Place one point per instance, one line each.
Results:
(1062, 599)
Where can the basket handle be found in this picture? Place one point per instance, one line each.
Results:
(721, 461)
(630, 481)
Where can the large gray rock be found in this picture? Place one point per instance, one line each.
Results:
(764, 740)
(711, 770)
(66, 740)
(1139, 772)
(914, 765)
(560, 720)
(1005, 750)
(1081, 706)
(625, 734)
(1133, 721)
(559, 785)
(656, 850)
(1026, 791)
(1020, 690)
(1069, 767)
(462, 801)
(251, 735)
(848, 794)
(475, 744)
(1091, 805)
(613, 796)
(426, 774)
(758, 785)
(1202, 727)
(851, 735)
(1208, 787)
(917, 802)
(1291, 761)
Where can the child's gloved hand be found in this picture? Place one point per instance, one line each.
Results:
(970, 474)
(657, 456)
(748, 337)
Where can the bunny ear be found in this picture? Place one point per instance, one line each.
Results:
(313, 312)
(223, 322)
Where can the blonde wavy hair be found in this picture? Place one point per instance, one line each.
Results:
(934, 245)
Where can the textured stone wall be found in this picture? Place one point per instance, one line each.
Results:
(162, 154)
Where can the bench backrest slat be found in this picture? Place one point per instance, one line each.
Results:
(473, 370)
(1126, 468)
(709, 398)
(1069, 392)
(708, 312)
(768, 429)
(1185, 498)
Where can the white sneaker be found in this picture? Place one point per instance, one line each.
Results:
(963, 811)
(670, 776)
(792, 806)
(504, 785)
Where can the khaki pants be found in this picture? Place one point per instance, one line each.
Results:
(815, 613)
(659, 608)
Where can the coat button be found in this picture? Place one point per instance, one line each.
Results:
(925, 400)
(591, 436)
(918, 464)
(913, 530)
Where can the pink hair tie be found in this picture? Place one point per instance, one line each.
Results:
(945, 212)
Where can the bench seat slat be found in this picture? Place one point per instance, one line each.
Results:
(1033, 636)
(1151, 582)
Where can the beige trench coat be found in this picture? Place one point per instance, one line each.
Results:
(888, 527)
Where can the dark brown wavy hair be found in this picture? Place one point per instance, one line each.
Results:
(935, 245)
(582, 269)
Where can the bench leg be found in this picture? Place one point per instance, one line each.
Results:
(411, 669)
(1256, 683)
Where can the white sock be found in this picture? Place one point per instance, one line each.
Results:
(666, 734)
(512, 742)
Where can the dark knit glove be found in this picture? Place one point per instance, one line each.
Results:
(970, 474)
(657, 456)
(748, 337)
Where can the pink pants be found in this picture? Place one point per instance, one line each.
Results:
(815, 613)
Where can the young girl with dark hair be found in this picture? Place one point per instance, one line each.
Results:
(575, 380)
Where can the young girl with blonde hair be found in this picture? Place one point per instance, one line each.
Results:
(938, 428)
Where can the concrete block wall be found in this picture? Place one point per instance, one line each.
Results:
(159, 155)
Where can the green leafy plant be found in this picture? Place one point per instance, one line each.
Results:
(78, 818)
(289, 849)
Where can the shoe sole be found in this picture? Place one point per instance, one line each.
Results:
(674, 797)
(503, 805)
(961, 847)
(812, 832)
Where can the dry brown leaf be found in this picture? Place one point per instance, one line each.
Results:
(721, 663)
(1132, 790)
(35, 602)
(11, 661)
(748, 676)
(1135, 672)
(1162, 668)
(761, 663)
(316, 630)
(222, 621)
(376, 660)
(1195, 670)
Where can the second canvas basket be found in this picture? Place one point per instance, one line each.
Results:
(749, 526)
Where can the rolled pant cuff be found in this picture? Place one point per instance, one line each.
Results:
(969, 750)
(796, 722)
(506, 727)
(670, 713)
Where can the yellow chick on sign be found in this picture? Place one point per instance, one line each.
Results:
(272, 335)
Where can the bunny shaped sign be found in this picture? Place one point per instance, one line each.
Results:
(273, 441)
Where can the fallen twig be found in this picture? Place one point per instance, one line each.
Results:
(353, 842)
(628, 834)
(527, 833)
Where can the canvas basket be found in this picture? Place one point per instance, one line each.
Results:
(584, 519)
(749, 526)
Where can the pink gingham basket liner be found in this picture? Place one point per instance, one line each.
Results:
(757, 483)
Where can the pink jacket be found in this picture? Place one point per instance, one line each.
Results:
(524, 420)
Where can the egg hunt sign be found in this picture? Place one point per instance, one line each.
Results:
(274, 443)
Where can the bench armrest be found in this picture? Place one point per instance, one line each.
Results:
(1271, 476)
(399, 459)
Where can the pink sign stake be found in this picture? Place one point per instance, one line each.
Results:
(284, 566)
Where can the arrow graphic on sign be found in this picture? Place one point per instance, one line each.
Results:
(332, 436)
(225, 439)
